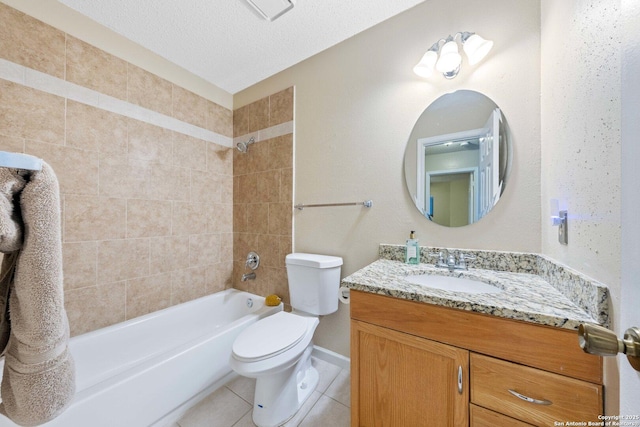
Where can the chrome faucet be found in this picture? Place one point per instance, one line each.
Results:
(252, 262)
(451, 263)
(248, 276)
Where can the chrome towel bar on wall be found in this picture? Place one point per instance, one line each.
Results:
(366, 204)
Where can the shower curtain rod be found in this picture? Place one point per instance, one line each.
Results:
(20, 161)
(366, 204)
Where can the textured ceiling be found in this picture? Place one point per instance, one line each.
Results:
(226, 42)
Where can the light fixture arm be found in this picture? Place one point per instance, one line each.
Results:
(465, 36)
(436, 46)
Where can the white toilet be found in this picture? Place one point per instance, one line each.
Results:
(277, 349)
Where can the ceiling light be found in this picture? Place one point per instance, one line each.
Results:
(271, 9)
(449, 60)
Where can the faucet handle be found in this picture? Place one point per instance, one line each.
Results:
(253, 260)
(463, 260)
(440, 256)
(451, 259)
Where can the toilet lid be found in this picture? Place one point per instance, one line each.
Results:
(270, 336)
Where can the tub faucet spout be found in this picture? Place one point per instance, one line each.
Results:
(248, 276)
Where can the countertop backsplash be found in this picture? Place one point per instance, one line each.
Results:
(585, 292)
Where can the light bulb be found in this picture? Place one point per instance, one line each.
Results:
(425, 67)
(476, 48)
(450, 59)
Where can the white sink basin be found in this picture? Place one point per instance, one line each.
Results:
(453, 284)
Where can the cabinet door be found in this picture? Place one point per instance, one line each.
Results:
(402, 380)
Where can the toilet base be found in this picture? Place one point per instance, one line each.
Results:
(279, 396)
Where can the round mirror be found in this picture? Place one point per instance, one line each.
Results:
(458, 158)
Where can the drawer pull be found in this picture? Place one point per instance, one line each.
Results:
(530, 399)
(460, 379)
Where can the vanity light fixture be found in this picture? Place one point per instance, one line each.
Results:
(449, 59)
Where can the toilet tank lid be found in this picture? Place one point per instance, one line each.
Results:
(313, 260)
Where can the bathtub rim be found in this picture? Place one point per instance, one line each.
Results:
(150, 361)
(157, 313)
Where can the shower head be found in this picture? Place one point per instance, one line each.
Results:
(244, 146)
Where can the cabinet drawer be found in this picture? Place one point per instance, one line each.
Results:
(481, 417)
(557, 398)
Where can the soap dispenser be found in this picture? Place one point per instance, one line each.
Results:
(412, 251)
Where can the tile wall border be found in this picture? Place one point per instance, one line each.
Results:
(34, 79)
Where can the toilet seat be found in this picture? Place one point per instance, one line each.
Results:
(269, 337)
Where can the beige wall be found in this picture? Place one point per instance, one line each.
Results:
(581, 113)
(147, 211)
(356, 105)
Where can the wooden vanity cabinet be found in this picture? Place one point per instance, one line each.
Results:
(416, 364)
(482, 417)
(404, 380)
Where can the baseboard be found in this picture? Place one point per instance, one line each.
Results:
(331, 357)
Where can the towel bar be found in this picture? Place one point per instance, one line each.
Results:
(366, 204)
(20, 161)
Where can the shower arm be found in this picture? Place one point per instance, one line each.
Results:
(243, 147)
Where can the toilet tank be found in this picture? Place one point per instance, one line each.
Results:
(314, 282)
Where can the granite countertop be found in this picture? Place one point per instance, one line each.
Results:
(525, 296)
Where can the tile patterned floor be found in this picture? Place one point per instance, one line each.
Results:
(230, 406)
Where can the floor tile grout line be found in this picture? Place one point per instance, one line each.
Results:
(243, 415)
(314, 405)
(337, 401)
(309, 411)
(305, 417)
(250, 404)
(334, 380)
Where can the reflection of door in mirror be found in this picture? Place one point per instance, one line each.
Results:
(489, 164)
(449, 163)
(453, 195)
(472, 154)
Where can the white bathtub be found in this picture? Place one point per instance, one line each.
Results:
(148, 370)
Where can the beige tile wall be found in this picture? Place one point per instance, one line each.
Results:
(147, 212)
(263, 195)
